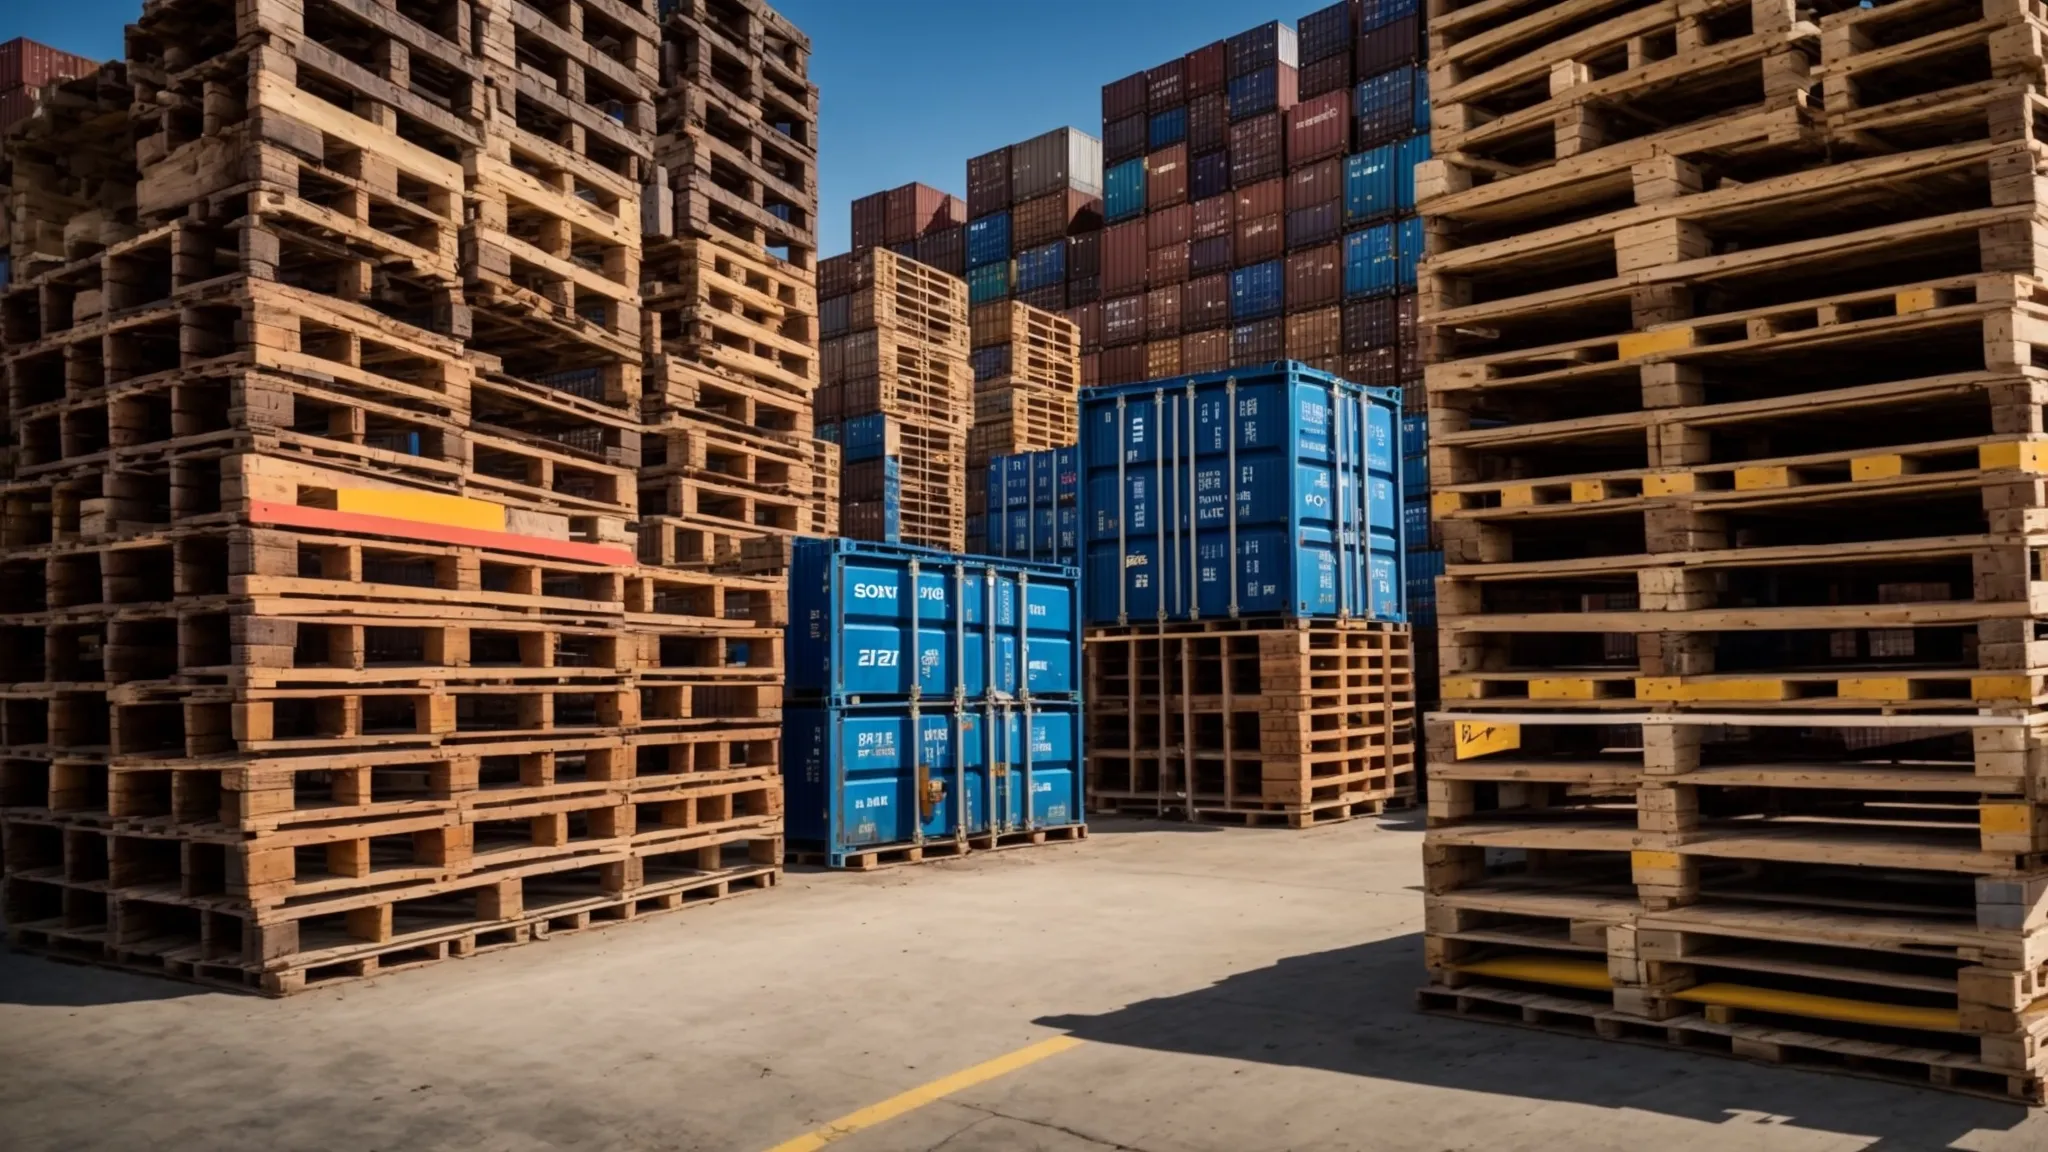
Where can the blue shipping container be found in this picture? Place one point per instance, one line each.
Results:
(1414, 525)
(988, 282)
(1415, 473)
(1124, 195)
(1392, 105)
(1167, 129)
(1043, 265)
(864, 777)
(1423, 569)
(1271, 491)
(1375, 13)
(865, 438)
(872, 621)
(1378, 184)
(1407, 251)
(988, 240)
(1209, 175)
(1255, 93)
(1258, 291)
(1369, 259)
(1029, 479)
(990, 363)
(1414, 435)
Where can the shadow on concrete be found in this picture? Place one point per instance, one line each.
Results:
(1122, 825)
(46, 982)
(1352, 1011)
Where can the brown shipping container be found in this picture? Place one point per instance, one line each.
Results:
(1259, 342)
(27, 64)
(1123, 321)
(871, 221)
(1166, 86)
(1084, 254)
(1169, 226)
(1123, 257)
(944, 249)
(1330, 75)
(1208, 69)
(1213, 216)
(1091, 369)
(913, 210)
(1319, 129)
(1208, 122)
(1256, 147)
(16, 105)
(836, 275)
(1319, 183)
(1162, 359)
(1048, 218)
(1088, 318)
(989, 324)
(1260, 239)
(988, 183)
(1121, 98)
(1124, 365)
(1216, 254)
(1053, 161)
(1388, 46)
(1315, 277)
(1167, 265)
(1124, 139)
(1166, 178)
(1387, 324)
(1206, 302)
(1316, 335)
(1162, 312)
(1374, 367)
(1205, 351)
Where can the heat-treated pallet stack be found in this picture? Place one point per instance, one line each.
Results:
(1736, 424)
(318, 546)
(1027, 390)
(733, 469)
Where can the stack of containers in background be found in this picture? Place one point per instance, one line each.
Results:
(1027, 385)
(1024, 202)
(1031, 507)
(1246, 653)
(25, 67)
(934, 704)
(916, 221)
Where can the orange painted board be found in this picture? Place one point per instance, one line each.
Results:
(297, 516)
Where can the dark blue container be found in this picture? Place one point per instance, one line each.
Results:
(864, 438)
(1124, 195)
(873, 622)
(988, 282)
(1043, 265)
(1414, 473)
(1209, 175)
(1269, 491)
(988, 240)
(1315, 225)
(1255, 94)
(1167, 129)
(1370, 257)
(909, 773)
(1258, 291)
(1414, 528)
(1379, 183)
(1414, 435)
(1033, 507)
(1376, 13)
(1392, 105)
(1423, 569)
(1029, 479)
(1408, 243)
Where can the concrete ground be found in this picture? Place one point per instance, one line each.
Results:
(1234, 990)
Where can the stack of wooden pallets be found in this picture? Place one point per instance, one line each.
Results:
(335, 656)
(1027, 387)
(1735, 398)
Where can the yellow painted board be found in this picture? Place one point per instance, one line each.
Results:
(1875, 688)
(2024, 455)
(1915, 300)
(1676, 688)
(1646, 861)
(1763, 476)
(1658, 687)
(1459, 688)
(1567, 971)
(2006, 819)
(2001, 688)
(1651, 343)
(1445, 503)
(1562, 688)
(1877, 467)
(1822, 1007)
(423, 507)
(1483, 737)
(1517, 495)
(1670, 484)
(1588, 491)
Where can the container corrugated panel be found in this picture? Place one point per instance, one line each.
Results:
(1423, 569)
(1205, 303)
(1166, 178)
(1273, 89)
(1258, 291)
(1123, 321)
(1084, 289)
(866, 438)
(1414, 473)
(1407, 154)
(988, 183)
(1268, 44)
(1208, 68)
(834, 313)
(1369, 259)
(874, 520)
(1123, 257)
(837, 274)
(944, 249)
(1313, 184)
(1209, 175)
(988, 282)
(1169, 226)
(988, 240)
(1125, 138)
(1373, 366)
(1207, 351)
(1038, 267)
(1331, 75)
(1388, 322)
(1043, 219)
(1162, 358)
(1166, 128)
(1374, 13)
(1166, 85)
(1062, 159)
(1319, 129)
(876, 480)
(1046, 297)
(1091, 369)
(870, 221)
(915, 209)
(860, 778)
(990, 363)
(1209, 122)
(1084, 254)
(1261, 238)
(1257, 148)
(1373, 184)
(1038, 479)
(24, 63)
(1315, 225)
(1389, 46)
(1408, 244)
(1210, 255)
(907, 249)
(1315, 335)
(1088, 318)
(1214, 216)
(1162, 311)
(1122, 365)
(1389, 107)
(1121, 98)
(1125, 195)
(1415, 524)
(1259, 343)
(1315, 278)
(1167, 264)
(1326, 32)
(1249, 493)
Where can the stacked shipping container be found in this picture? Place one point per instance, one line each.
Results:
(1027, 384)
(1029, 207)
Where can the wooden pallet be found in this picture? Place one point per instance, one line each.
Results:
(739, 314)
(897, 295)
(929, 851)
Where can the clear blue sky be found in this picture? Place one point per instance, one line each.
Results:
(909, 89)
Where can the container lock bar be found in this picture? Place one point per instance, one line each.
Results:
(1337, 518)
(1194, 516)
(1123, 516)
(1230, 490)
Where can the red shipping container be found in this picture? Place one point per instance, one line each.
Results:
(1084, 254)
(944, 249)
(837, 275)
(1205, 351)
(1259, 239)
(1044, 219)
(1208, 69)
(1206, 303)
(1259, 342)
(1169, 226)
(1256, 149)
(1330, 75)
(1316, 335)
(18, 104)
(1124, 139)
(1315, 277)
(1091, 369)
(1319, 183)
(913, 210)
(1123, 257)
(1374, 367)
(1319, 129)
(871, 221)
(1389, 46)
(1254, 201)
(1165, 86)
(24, 63)
(1162, 359)
(1208, 122)
(1168, 265)
(1166, 178)
(1125, 97)
(1386, 324)
(1162, 312)
(1088, 318)
(1123, 321)
(1214, 216)
(988, 183)
(1124, 365)
(1215, 254)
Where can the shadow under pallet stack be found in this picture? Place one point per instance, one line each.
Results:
(1246, 657)
(1736, 425)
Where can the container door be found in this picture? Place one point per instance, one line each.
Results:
(875, 800)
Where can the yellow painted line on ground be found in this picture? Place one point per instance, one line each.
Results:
(920, 1096)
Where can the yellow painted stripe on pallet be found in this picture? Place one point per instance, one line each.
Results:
(2006, 819)
(1915, 300)
(1670, 484)
(1517, 495)
(1647, 861)
(1762, 477)
(1459, 688)
(2001, 688)
(1445, 503)
(922, 1095)
(1562, 688)
(1484, 737)
(2024, 455)
(1875, 688)
(1676, 688)
(1877, 467)
(1566, 971)
(1588, 491)
(1821, 1007)
(424, 507)
(1651, 343)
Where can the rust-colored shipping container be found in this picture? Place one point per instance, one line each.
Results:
(988, 183)
(1125, 97)
(944, 249)
(1211, 255)
(1124, 139)
(1169, 226)
(1315, 335)
(1123, 257)
(1091, 369)
(1166, 86)
(1329, 75)
(871, 221)
(1162, 359)
(1162, 311)
(1259, 239)
(1166, 178)
(1319, 129)
(1318, 183)
(1389, 324)
(1044, 219)
(1167, 265)
(1259, 342)
(990, 324)
(1388, 46)
(1208, 69)
(1207, 351)
(1264, 198)
(1124, 365)
(24, 63)
(1213, 216)
(1208, 122)
(16, 105)
(1315, 278)
(836, 275)
(1084, 254)
(1205, 302)
(914, 209)
(1088, 318)
(1374, 366)
(1256, 149)
(1123, 320)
